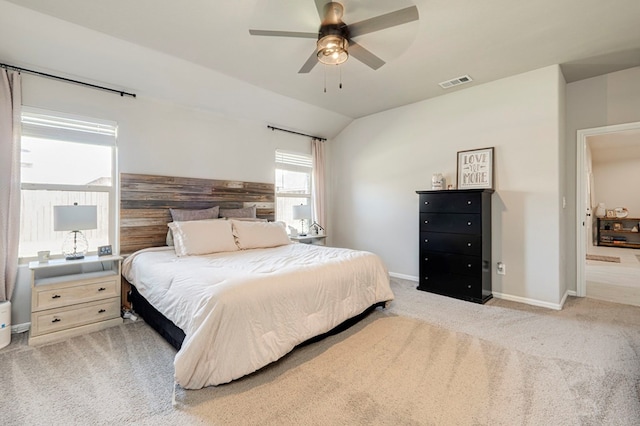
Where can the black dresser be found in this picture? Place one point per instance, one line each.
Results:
(455, 243)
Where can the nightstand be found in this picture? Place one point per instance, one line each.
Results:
(318, 240)
(72, 297)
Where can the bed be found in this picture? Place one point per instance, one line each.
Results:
(233, 309)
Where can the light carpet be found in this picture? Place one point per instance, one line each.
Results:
(427, 360)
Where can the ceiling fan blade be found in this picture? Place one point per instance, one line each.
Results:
(311, 62)
(364, 56)
(381, 22)
(283, 34)
(320, 6)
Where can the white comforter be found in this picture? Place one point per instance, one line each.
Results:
(243, 310)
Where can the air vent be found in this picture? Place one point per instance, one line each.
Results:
(455, 82)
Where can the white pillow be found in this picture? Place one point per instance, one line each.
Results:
(202, 237)
(251, 235)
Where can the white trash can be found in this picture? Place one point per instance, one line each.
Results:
(5, 324)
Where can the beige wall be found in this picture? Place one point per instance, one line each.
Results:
(378, 162)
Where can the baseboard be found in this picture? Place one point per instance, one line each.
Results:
(403, 276)
(533, 302)
(20, 328)
(564, 298)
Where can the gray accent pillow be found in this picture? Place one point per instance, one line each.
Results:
(243, 212)
(179, 215)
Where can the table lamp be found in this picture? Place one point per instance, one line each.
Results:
(301, 213)
(75, 218)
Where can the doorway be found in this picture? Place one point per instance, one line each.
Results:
(611, 272)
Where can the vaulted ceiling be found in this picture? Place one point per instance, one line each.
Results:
(486, 40)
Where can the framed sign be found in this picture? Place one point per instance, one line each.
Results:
(475, 168)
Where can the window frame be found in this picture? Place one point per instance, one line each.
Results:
(105, 133)
(297, 163)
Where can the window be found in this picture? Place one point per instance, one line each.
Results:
(64, 160)
(293, 185)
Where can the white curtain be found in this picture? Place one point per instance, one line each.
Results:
(317, 188)
(10, 104)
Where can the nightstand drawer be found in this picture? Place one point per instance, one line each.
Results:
(75, 316)
(71, 293)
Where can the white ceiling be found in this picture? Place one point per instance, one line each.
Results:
(487, 40)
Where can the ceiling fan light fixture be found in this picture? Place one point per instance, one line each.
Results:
(333, 49)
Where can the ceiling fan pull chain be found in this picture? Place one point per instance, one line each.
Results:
(340, 77)
(325, 78)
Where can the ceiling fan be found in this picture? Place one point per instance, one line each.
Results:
(335, 38)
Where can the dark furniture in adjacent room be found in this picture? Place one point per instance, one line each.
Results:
(619, 232)
(455, 243)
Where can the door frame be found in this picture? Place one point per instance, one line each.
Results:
(581, 196)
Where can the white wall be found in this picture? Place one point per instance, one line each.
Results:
(615, 184)
(596, 102)
(562, 184)
(378, 162)
(158, 137)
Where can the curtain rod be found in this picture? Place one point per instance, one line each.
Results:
(68, 80)
(297, 133)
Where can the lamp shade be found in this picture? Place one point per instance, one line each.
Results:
(301, 212)
(75, 218)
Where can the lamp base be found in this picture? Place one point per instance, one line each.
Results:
(76, 256)
(75, 246)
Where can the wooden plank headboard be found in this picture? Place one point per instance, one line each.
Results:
(145, 201)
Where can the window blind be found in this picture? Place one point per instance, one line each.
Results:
(40, 123)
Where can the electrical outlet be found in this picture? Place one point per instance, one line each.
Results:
(502, 268)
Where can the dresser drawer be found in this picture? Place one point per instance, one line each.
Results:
(74, 316)
(447, 263)
(458, 223)
(458, 202)
(470, 245)
(71, 293)
(460, 286)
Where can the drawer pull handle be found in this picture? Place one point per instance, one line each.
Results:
(469, 286)
(468, 265)
(56, 296)
(101, 311)
(468, 223)
(426, 221)
(426, 202)
(101, 289)
(469, 202)
(426, 259)
(468, 244)
(56, 320)
(426, 278)
(426, 241)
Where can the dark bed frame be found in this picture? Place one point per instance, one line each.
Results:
(164, 326)
(175, 336)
